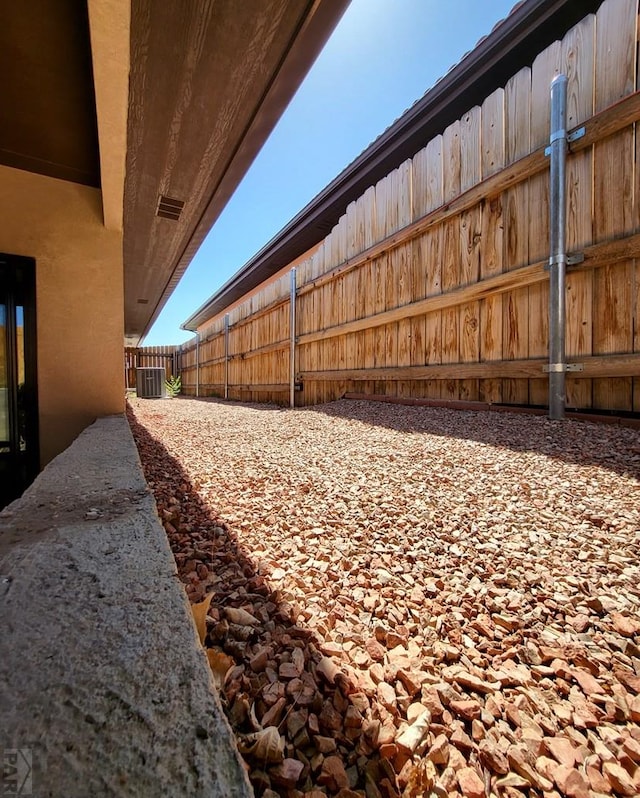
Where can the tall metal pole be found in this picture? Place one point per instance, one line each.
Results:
(557, 249)
(292, 349)
(226, 356)
(197, 364)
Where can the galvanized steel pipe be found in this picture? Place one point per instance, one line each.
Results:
(557, 249)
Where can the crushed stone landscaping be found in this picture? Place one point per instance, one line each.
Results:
(410, 601)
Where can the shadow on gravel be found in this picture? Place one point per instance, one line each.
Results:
(615, 448)
(281, 677)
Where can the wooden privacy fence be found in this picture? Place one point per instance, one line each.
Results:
(167, 357)
(434, 284)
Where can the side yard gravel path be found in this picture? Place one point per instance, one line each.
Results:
(411, 601)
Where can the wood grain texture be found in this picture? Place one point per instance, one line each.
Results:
(592, 367)
(450, 254)
(604, 124)
(545, 67)
(493, 159)
(433, 284)
(515, 304)
(613, 165)
(428, 195)
(578, 56)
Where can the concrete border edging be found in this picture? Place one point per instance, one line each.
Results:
(103, 682)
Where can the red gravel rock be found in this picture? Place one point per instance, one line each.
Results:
(471, 785)
(367, 563)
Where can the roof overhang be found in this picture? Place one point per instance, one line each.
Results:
(208, 82)
(513, 44)
(48, 109)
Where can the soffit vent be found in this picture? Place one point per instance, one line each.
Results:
(169, 207)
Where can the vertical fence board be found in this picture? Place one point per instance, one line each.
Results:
(615, 73)
(470, 237)
(515, 304)
(545, 67)
(451, 254)
(577, 65)
(428, 195)
(492, 160)
(404, 270)
(368, 209)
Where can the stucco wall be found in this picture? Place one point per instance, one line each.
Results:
(79, 296)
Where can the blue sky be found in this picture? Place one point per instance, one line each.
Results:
(382, 56)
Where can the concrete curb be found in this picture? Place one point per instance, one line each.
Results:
(103, 683)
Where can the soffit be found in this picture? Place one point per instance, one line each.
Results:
(208, 82)
(47, 113)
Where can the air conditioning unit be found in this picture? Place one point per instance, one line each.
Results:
(150, 383)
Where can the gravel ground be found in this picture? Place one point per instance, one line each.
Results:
(410, 601)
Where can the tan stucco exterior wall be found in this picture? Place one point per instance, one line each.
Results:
(79, 296)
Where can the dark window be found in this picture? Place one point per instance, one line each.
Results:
(19, 456)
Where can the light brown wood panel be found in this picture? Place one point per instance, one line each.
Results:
(636, 341)
(356, 285)
(403, 192)
(470, 149)
(404, 266)
(420, 182)
(380, 269)
(340, 255)
(303, 309)
(592, 367)
(515, 304)
(596, 256)
(615, 62)
(604, 124)
(636, 287)
(578, 65)
(450, 254)
(493, 134)
(315, 309)
(450, 259)
(432, 247)
(395, 205)
(470, 235)
(338, 314)
(613, 167)
(493, 159)
(367, 207)
(451, 162)
(613, 308)
(469, 313)
(404, 270)
(613, 164)
(491, 308)
(545, 67)
(429, 194)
